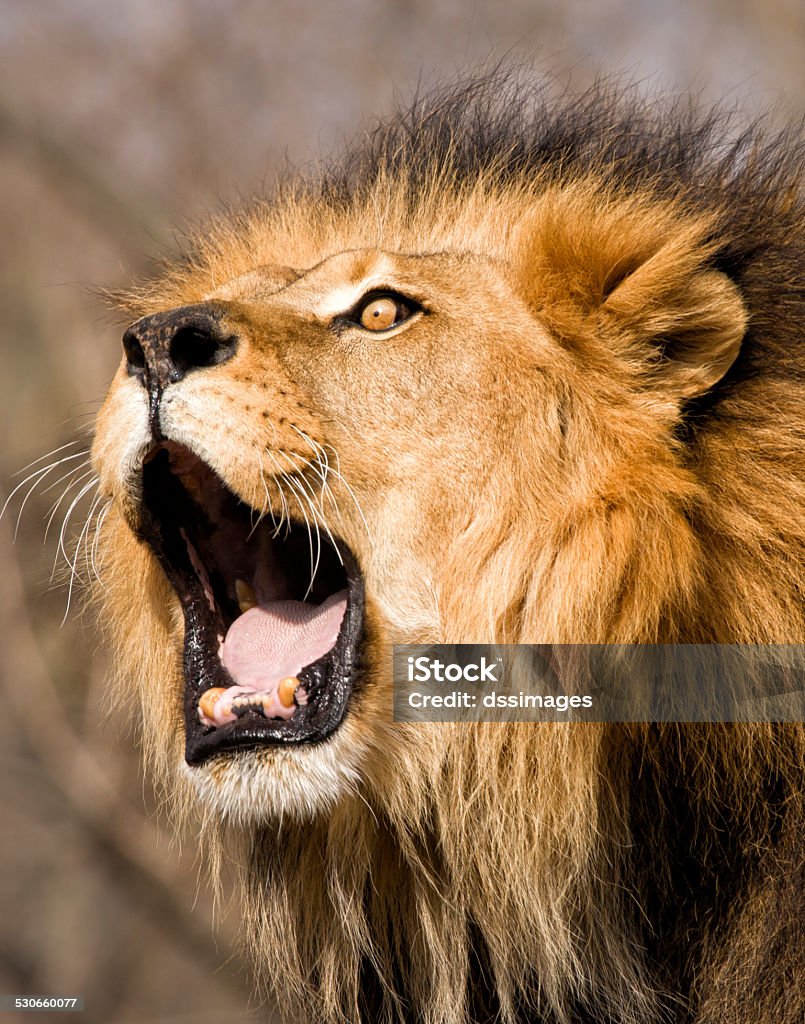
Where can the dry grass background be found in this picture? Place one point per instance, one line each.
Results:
(119, 123)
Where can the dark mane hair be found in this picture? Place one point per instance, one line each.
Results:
(509, 128)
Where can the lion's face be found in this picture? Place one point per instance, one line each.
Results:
(380, 448)
(300, 452)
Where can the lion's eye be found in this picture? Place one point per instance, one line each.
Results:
(380, 312)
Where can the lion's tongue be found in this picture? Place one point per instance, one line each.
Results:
(278, 638)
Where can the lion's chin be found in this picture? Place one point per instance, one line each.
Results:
(257, 787)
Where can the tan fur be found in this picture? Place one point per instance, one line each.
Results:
(515, 473)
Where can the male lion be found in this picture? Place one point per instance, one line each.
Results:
(509, 371)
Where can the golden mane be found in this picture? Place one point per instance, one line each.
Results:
(578, 871)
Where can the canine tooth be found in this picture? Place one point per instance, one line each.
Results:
(245, 594)
(286, 689)
(208, 700)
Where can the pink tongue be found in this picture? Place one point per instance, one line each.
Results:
(279, 638)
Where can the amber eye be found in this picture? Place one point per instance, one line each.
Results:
(380, 312)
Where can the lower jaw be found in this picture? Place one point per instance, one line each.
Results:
(313, 725)
(330, 684)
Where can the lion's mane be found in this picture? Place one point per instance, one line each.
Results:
(585, 873)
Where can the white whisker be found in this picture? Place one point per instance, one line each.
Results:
(340, 476)
(317, 450)
(74, 481)
(37, 476)
(267, 508)
(296, 491)
(320, 450)
(99, 521)
(321, 467)
(286, 512)
(60, 550)
(85, 532)
(55, 451)
(66, 519)
(316, 515)
(318, 508)
(72, 565)
(70, 472)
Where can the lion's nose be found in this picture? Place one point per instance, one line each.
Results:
(163, 348)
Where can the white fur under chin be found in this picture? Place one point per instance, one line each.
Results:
(256, 787)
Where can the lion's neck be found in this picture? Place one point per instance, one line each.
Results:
(398, 894)
(665, 558)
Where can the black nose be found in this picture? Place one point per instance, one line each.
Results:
(163, 348)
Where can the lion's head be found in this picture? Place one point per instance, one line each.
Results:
(507, 374)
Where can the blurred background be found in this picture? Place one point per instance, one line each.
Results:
(120, 124)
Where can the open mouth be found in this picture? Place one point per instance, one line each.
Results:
(273, 613)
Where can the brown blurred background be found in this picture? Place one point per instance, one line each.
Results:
(119, 123)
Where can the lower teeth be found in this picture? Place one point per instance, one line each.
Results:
(277, 703)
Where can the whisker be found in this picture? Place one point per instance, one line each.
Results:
(60, 547)
(85, 533)
(93, 482)
(316, 446)
(99, 521)
(299, 480)
(70, 472)
(37, 476)
(72, 565)
(339, 475)
(286, 512)
(296, 491)
(54, 451)
(318, 508)
(321, 467)
(80, 543)
(73, 481)
(324, 447)
(268, 509)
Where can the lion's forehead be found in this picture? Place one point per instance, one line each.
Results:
(336, 283)
(329, 286)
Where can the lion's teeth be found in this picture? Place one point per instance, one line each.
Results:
(245, 594)
(218, 706)
(286, 689)
(209, 699)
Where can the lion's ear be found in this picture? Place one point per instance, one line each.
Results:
(696, 320)
(635, 272)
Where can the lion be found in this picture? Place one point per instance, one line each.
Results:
(510, 370)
